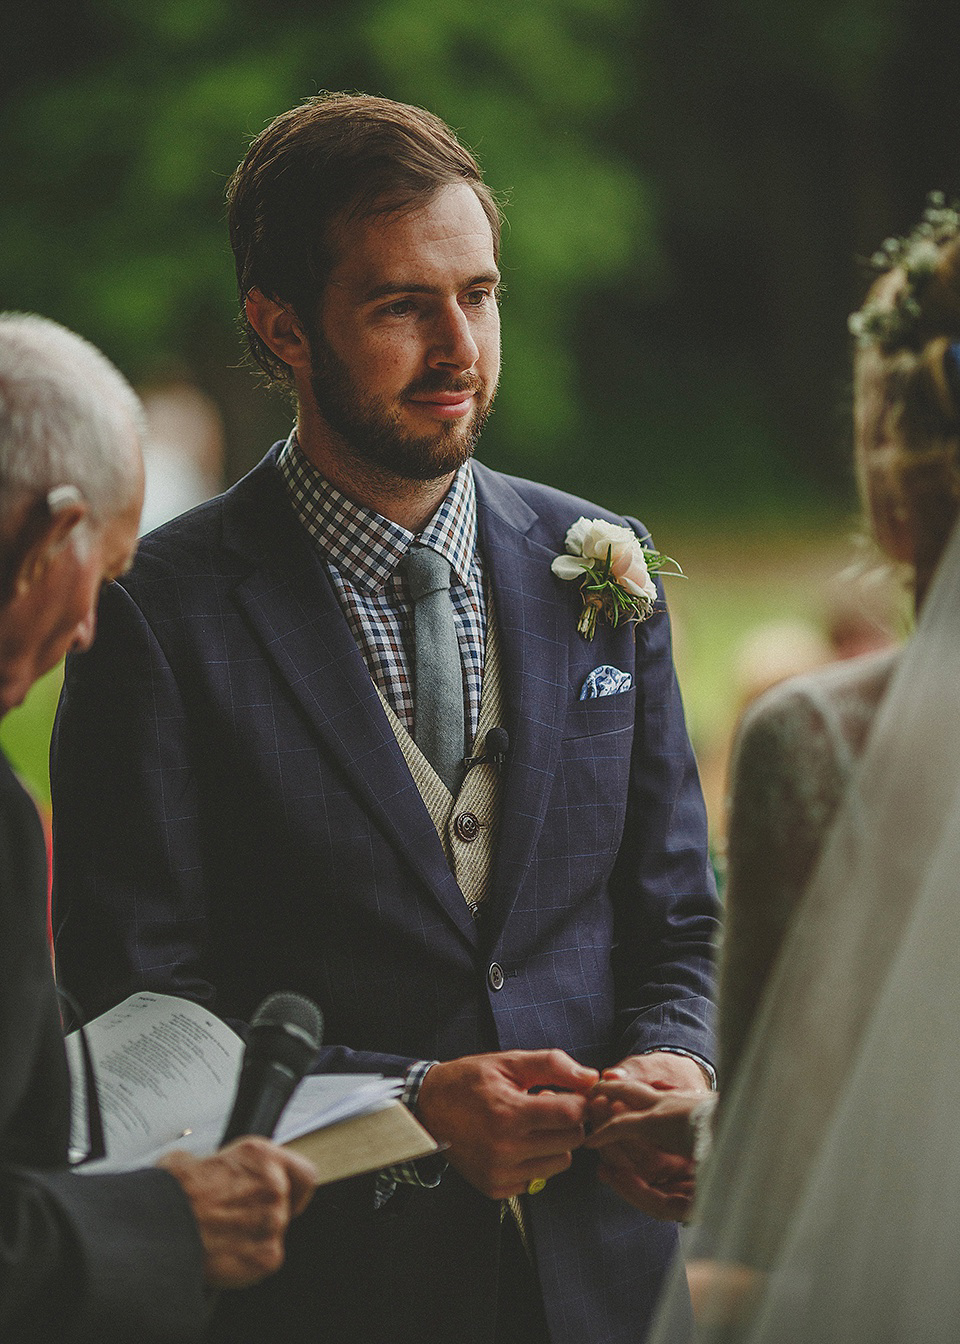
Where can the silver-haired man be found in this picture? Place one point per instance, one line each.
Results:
(111, 1258)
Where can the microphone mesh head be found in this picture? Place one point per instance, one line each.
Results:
(290, 1010)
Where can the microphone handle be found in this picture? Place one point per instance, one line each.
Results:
(263, 1091)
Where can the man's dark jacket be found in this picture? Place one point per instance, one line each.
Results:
(234, 816)
(97, 1259)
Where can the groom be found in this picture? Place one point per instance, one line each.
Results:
(245, 799)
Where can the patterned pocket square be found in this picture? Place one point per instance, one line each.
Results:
(605, 680)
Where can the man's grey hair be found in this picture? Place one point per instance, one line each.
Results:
(67, 417)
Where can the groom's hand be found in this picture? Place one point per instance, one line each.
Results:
(508, 1118)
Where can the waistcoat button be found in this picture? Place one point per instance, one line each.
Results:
(467, 827)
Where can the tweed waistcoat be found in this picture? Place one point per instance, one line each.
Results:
(467, 824)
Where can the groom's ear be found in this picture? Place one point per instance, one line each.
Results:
(279, 329)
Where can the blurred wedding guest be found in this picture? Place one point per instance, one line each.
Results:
(764, 656)
(88, 1258)
(771, 653)
(863, 611)
(831, 1207)
(182, 451)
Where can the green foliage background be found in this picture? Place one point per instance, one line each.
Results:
(688, 183)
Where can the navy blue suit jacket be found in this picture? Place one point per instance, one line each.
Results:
(83, 1259)
(233, 816)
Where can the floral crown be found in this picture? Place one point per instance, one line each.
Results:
(891, 325)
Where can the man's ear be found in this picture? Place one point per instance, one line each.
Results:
(46, 530)
(279, 329)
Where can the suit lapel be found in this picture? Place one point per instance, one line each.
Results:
(290, 606)
(534, 675)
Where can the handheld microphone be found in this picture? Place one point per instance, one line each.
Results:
(285, 1035)
(495, 746)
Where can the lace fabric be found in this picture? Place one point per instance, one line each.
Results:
(830, 1209)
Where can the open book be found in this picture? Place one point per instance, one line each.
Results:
(167, 1071)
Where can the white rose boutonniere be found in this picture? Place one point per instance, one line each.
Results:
(614, 572)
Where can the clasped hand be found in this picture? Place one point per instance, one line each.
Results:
(641, 1116)
(518, 1115)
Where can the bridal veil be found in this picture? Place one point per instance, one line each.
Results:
(830, 1208)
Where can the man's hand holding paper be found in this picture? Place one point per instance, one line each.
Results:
(243, 1199)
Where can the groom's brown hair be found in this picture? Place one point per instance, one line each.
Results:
(335, 159)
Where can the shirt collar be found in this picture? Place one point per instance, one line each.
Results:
(364, 546)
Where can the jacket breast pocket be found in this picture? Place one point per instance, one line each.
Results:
(605, 714)
(589, 796)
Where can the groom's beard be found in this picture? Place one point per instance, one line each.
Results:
(372, 428)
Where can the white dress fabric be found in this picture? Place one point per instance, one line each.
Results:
(830, 1209)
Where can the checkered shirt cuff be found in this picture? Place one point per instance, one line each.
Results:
(428, 1171)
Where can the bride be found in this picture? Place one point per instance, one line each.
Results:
(830, 1209)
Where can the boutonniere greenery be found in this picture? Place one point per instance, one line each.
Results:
(614, 571)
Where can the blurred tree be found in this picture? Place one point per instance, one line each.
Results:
(687, 182)
(785, 142)
(118, 140)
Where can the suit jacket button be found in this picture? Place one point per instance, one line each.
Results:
(495, 976)
(467, 827)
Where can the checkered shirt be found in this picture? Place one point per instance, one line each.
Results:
(362, 553)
